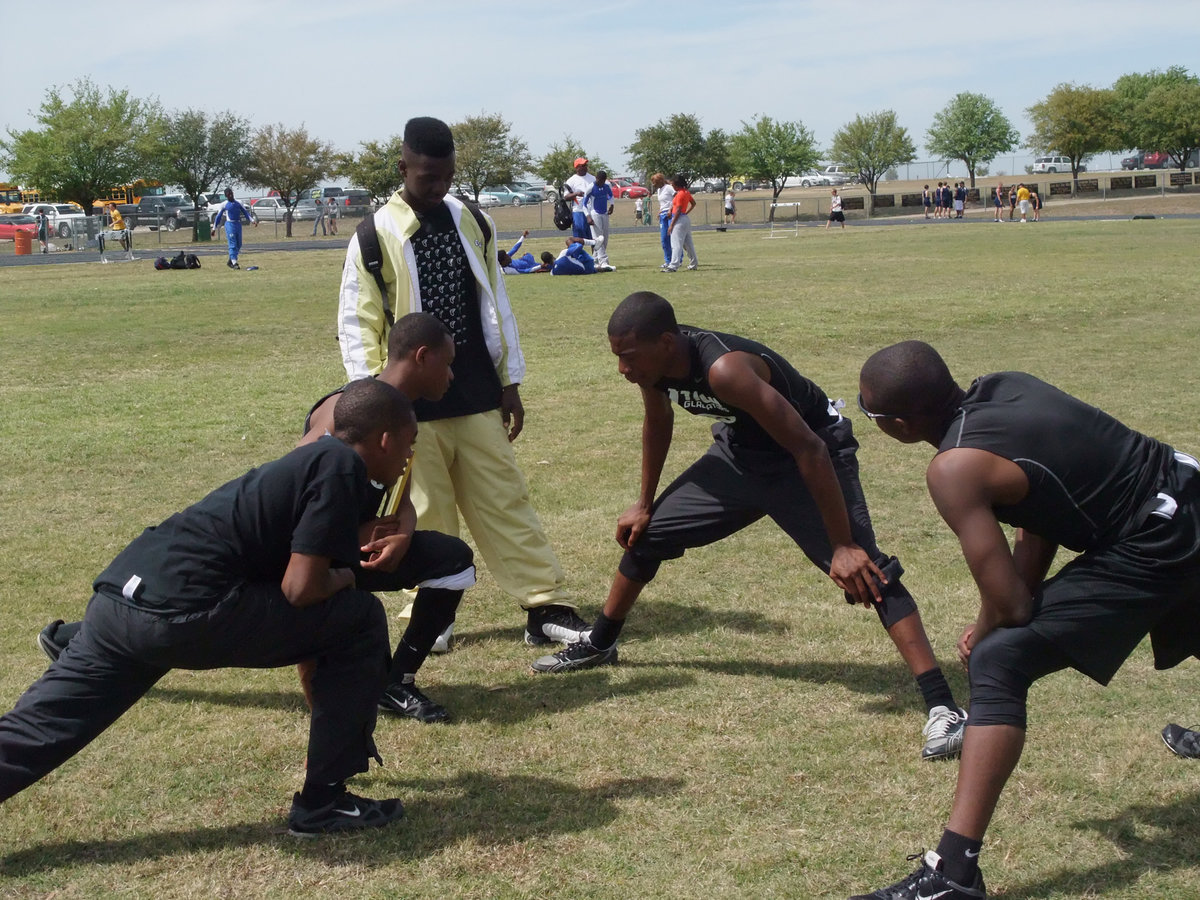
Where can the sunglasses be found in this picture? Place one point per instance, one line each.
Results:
(873, 415)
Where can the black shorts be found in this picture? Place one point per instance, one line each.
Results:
(1100, 605)
(728, 489)
(837, 216)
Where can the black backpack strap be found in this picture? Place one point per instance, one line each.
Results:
(481, 219)
(372, 257)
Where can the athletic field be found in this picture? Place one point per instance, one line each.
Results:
(760, 737)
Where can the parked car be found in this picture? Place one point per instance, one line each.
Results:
(1156, 159)
(1133, 162)
(13, 222)
(484, 200)
(273, 209)
(511, 196)
(1054, 164)
(813, 179)
(627, 187)
(65, 218)
(306, 208)
(354, 202)
(839, 175)
(543, 190)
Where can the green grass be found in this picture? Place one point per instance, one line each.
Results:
(760, 737)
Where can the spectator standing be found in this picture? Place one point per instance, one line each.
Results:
(730, 207)
(638, 209)
(680, 226)
(835, 210)
(333, 215)
(43, 229)
(1023, 201)
(960, 199)
(600, 207)
(1036, 202)
(319, 205)
(576, 189)
(926, 200)
(998, 200)
(438, 258)
(665, 193)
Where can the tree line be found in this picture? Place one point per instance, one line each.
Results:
(90, 140)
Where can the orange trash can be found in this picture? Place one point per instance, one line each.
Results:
(22, 242)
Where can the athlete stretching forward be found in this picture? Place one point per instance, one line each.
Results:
(1013, 449)
(782, 450)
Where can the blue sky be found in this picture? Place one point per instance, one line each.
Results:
(355, 71)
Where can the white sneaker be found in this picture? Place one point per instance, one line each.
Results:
(445, 642)
(943, 733)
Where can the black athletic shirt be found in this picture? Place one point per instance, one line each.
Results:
(449, 291)
(1089, 475)
(378, 495)
(310, 501)
(734, 425)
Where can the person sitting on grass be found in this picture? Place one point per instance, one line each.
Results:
(1013, 450)
(420, 353)
(258, 574)
(782, 450)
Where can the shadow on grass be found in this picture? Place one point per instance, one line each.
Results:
(1148, 837)
(487, 809)
(510, 703)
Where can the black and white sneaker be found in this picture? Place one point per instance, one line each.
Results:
(928, 883)
(46, 640)
(579, 655)
(943, 732)
(348, 812)
(1182, 741)
(553, 624)
(406, 699)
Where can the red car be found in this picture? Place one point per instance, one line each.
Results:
(627, 187)
(11, 224)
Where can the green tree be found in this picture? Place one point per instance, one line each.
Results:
(772, 151)
(672, 145)
(556, 166)
(1172, 120)
(200, 153)
(1074, 121)
(1129, 113)
(89, 142)
(287, 161)
(486, 152)
(717, 160)
(870, 145)
(971, 128)
(374, 168)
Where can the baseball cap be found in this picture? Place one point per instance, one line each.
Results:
(580, 161)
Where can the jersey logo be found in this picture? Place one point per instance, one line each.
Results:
(699, 404)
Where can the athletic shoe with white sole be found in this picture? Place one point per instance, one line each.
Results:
(406, 699)
(553, 624)
(1182, 741)
(943, 733)
(928, 883)
(348, 812)
(579, 655)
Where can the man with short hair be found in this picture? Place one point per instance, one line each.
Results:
(576, 189)
(437, 258)
(1013, 450)
(232, 214)
(782, 450)
(600, 207)
(257, 575)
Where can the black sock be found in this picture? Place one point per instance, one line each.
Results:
(605, 631)
(960, 857)
(936, 690)
(314, 795)
(433, 611)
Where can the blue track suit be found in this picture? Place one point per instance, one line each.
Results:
(232, 214)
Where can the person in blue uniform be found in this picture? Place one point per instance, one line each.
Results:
(1013, 450)
(231, 215)
(781, 449)
(258, 574)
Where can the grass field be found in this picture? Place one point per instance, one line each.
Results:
(759, 739)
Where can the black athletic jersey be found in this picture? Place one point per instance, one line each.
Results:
(1089, 475)
(448, 291)
(310, 501)
(734, 425)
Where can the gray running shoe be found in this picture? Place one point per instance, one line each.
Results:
(1182, 741)
(944, 733)
(579, 655)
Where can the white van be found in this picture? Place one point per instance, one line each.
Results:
(1054, 164)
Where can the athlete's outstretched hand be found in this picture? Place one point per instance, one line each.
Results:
(852, 570)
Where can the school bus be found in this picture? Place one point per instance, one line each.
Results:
(10, 198)
(131, 193)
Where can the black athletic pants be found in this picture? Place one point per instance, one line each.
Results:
(120, 652)
(728, 489)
